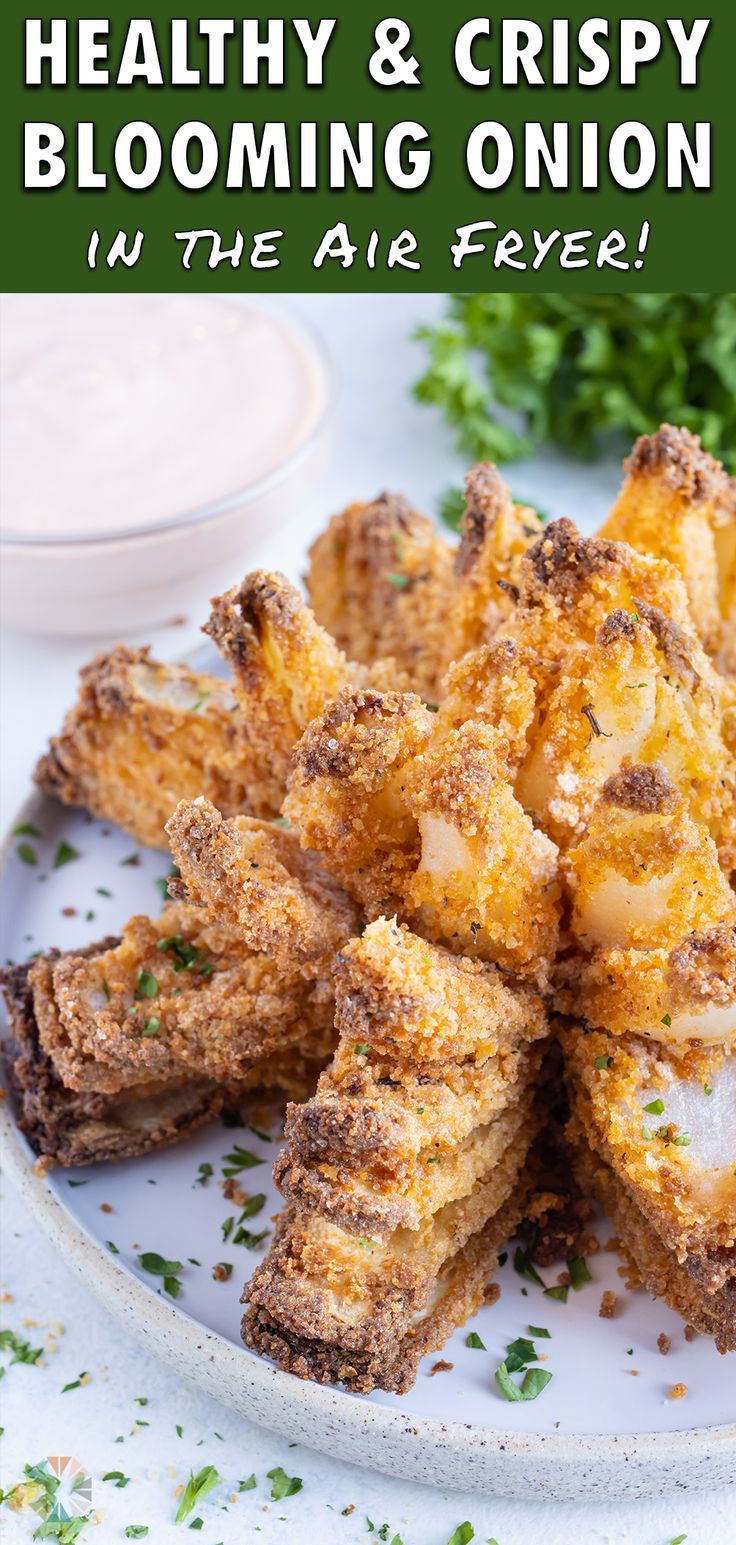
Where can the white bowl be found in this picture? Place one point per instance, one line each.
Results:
(126, 580)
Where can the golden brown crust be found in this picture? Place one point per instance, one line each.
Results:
(377, 577)
(211, 1008)
(711, 1311)
(687, 1191)
(347, 791)
(385, 583)
(253, 877)
(677, 456)
(67, 1127)
(414, 816)
(640, 691)
(684, 993)
(648, 896)
(677, 503)
(569, 584)
(432, 1078)
(143, 735)
(327, 1307)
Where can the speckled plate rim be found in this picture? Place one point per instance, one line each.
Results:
(451, 1454)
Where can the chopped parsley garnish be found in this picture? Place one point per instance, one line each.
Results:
(102, 891)
(112, 1247)
(558, 1292)
(473, 1340)
(362, 1049)
(75, 1384)
(253, 1205)
(603, 1062)
(667, 1020)
(539, 1330)
(283, 1485)
(136, 1531)
(655, 1107)
(248, 1485)
(227, 1228)
(523, 1264)
(158, 1267)
(646, 1134)
(204, 1173)
(65, 854)
(117, 1478)
(26, 829)
(399, 581)
(683, 1140)
(519, 1353)
(186, 956)
(241, 1158)
(197, 1487)
(152, 1026)
(532, 1384)
(131, 862)
(22, 1350)
(146, 985)
(27, 853)
(251, 1241)
(579, 1273)
(462, 1535)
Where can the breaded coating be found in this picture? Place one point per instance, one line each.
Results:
(411, 999)
(175, 998)
(143, 735)
(686, 992)
(285, 667)
(67, 1127)
(724, 531)
(494, 685)
(640, 691)
(385, 583)
(431, 1081)
(347, 792)
(486, 882)
(677, 503)
(495, 534)
(652, 912)
(253, 877)
(378, 581)
(713, 1313)
(328, 1306)
(569, 584)
(418, 818)
(663, 1122)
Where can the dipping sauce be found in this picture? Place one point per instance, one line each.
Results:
(122, 413)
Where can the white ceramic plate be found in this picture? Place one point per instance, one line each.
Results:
(604, 1424)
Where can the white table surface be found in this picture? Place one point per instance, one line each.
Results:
(384, 440)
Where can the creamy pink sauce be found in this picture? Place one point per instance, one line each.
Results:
(122, 411)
